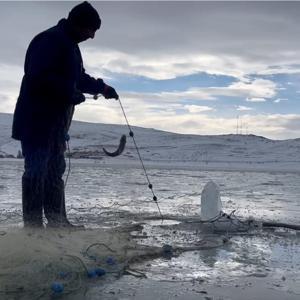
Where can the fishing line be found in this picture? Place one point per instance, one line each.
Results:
(69, 161)
(131, 134)
(67, 176)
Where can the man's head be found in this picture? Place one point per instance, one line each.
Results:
(84, 20)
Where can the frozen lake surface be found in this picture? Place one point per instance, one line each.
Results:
(104, 196)
(95, 192)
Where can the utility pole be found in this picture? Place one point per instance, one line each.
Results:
(241, 127)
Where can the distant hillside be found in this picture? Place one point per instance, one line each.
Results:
(87, 140)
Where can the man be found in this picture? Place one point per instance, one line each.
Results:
(53, 83)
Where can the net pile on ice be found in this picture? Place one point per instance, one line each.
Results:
(43, 262)
(38, 263)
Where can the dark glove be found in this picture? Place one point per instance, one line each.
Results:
(110, 93)
(77, 97)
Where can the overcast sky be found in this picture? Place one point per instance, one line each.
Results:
(187, 67)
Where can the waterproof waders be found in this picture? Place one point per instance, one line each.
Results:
(43, 186)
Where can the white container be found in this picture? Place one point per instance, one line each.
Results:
(211, 205)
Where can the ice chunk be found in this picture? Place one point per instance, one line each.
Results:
(210, 201)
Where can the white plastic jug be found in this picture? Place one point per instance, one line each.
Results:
(211, 205)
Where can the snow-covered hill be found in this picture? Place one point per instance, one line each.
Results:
(160, 147)
(8, 147)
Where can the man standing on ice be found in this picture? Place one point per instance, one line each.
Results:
(53, 83)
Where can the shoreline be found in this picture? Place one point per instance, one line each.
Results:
(291, 167)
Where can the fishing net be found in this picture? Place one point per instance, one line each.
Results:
(36, 263)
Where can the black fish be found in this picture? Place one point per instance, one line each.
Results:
(120, 148)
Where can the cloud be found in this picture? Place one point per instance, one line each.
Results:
(10, 73)
(10, 80)
(290, 123)
(256, 91)
(275, 126)
(167, 40)
(147, 44)
(190, 120)
(257, 88)
(278, 100)
(256, 99)
(243, 108)
(163, 65)
(195, 109)
(100, 111)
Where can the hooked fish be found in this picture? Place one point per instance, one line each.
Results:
(120, 148)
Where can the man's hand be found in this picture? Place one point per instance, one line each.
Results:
(78, 97)
(110, 93)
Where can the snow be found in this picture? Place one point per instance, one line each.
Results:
(171, 150)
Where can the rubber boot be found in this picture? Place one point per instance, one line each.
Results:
(32, 202)
(55, 207)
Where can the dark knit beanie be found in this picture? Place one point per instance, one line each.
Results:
(85, 15)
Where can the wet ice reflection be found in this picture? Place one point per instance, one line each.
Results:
(259, 255)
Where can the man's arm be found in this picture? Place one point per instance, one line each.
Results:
(90, 85)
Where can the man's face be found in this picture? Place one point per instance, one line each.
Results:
(85, 34)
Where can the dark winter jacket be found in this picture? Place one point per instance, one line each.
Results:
(53, 71)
